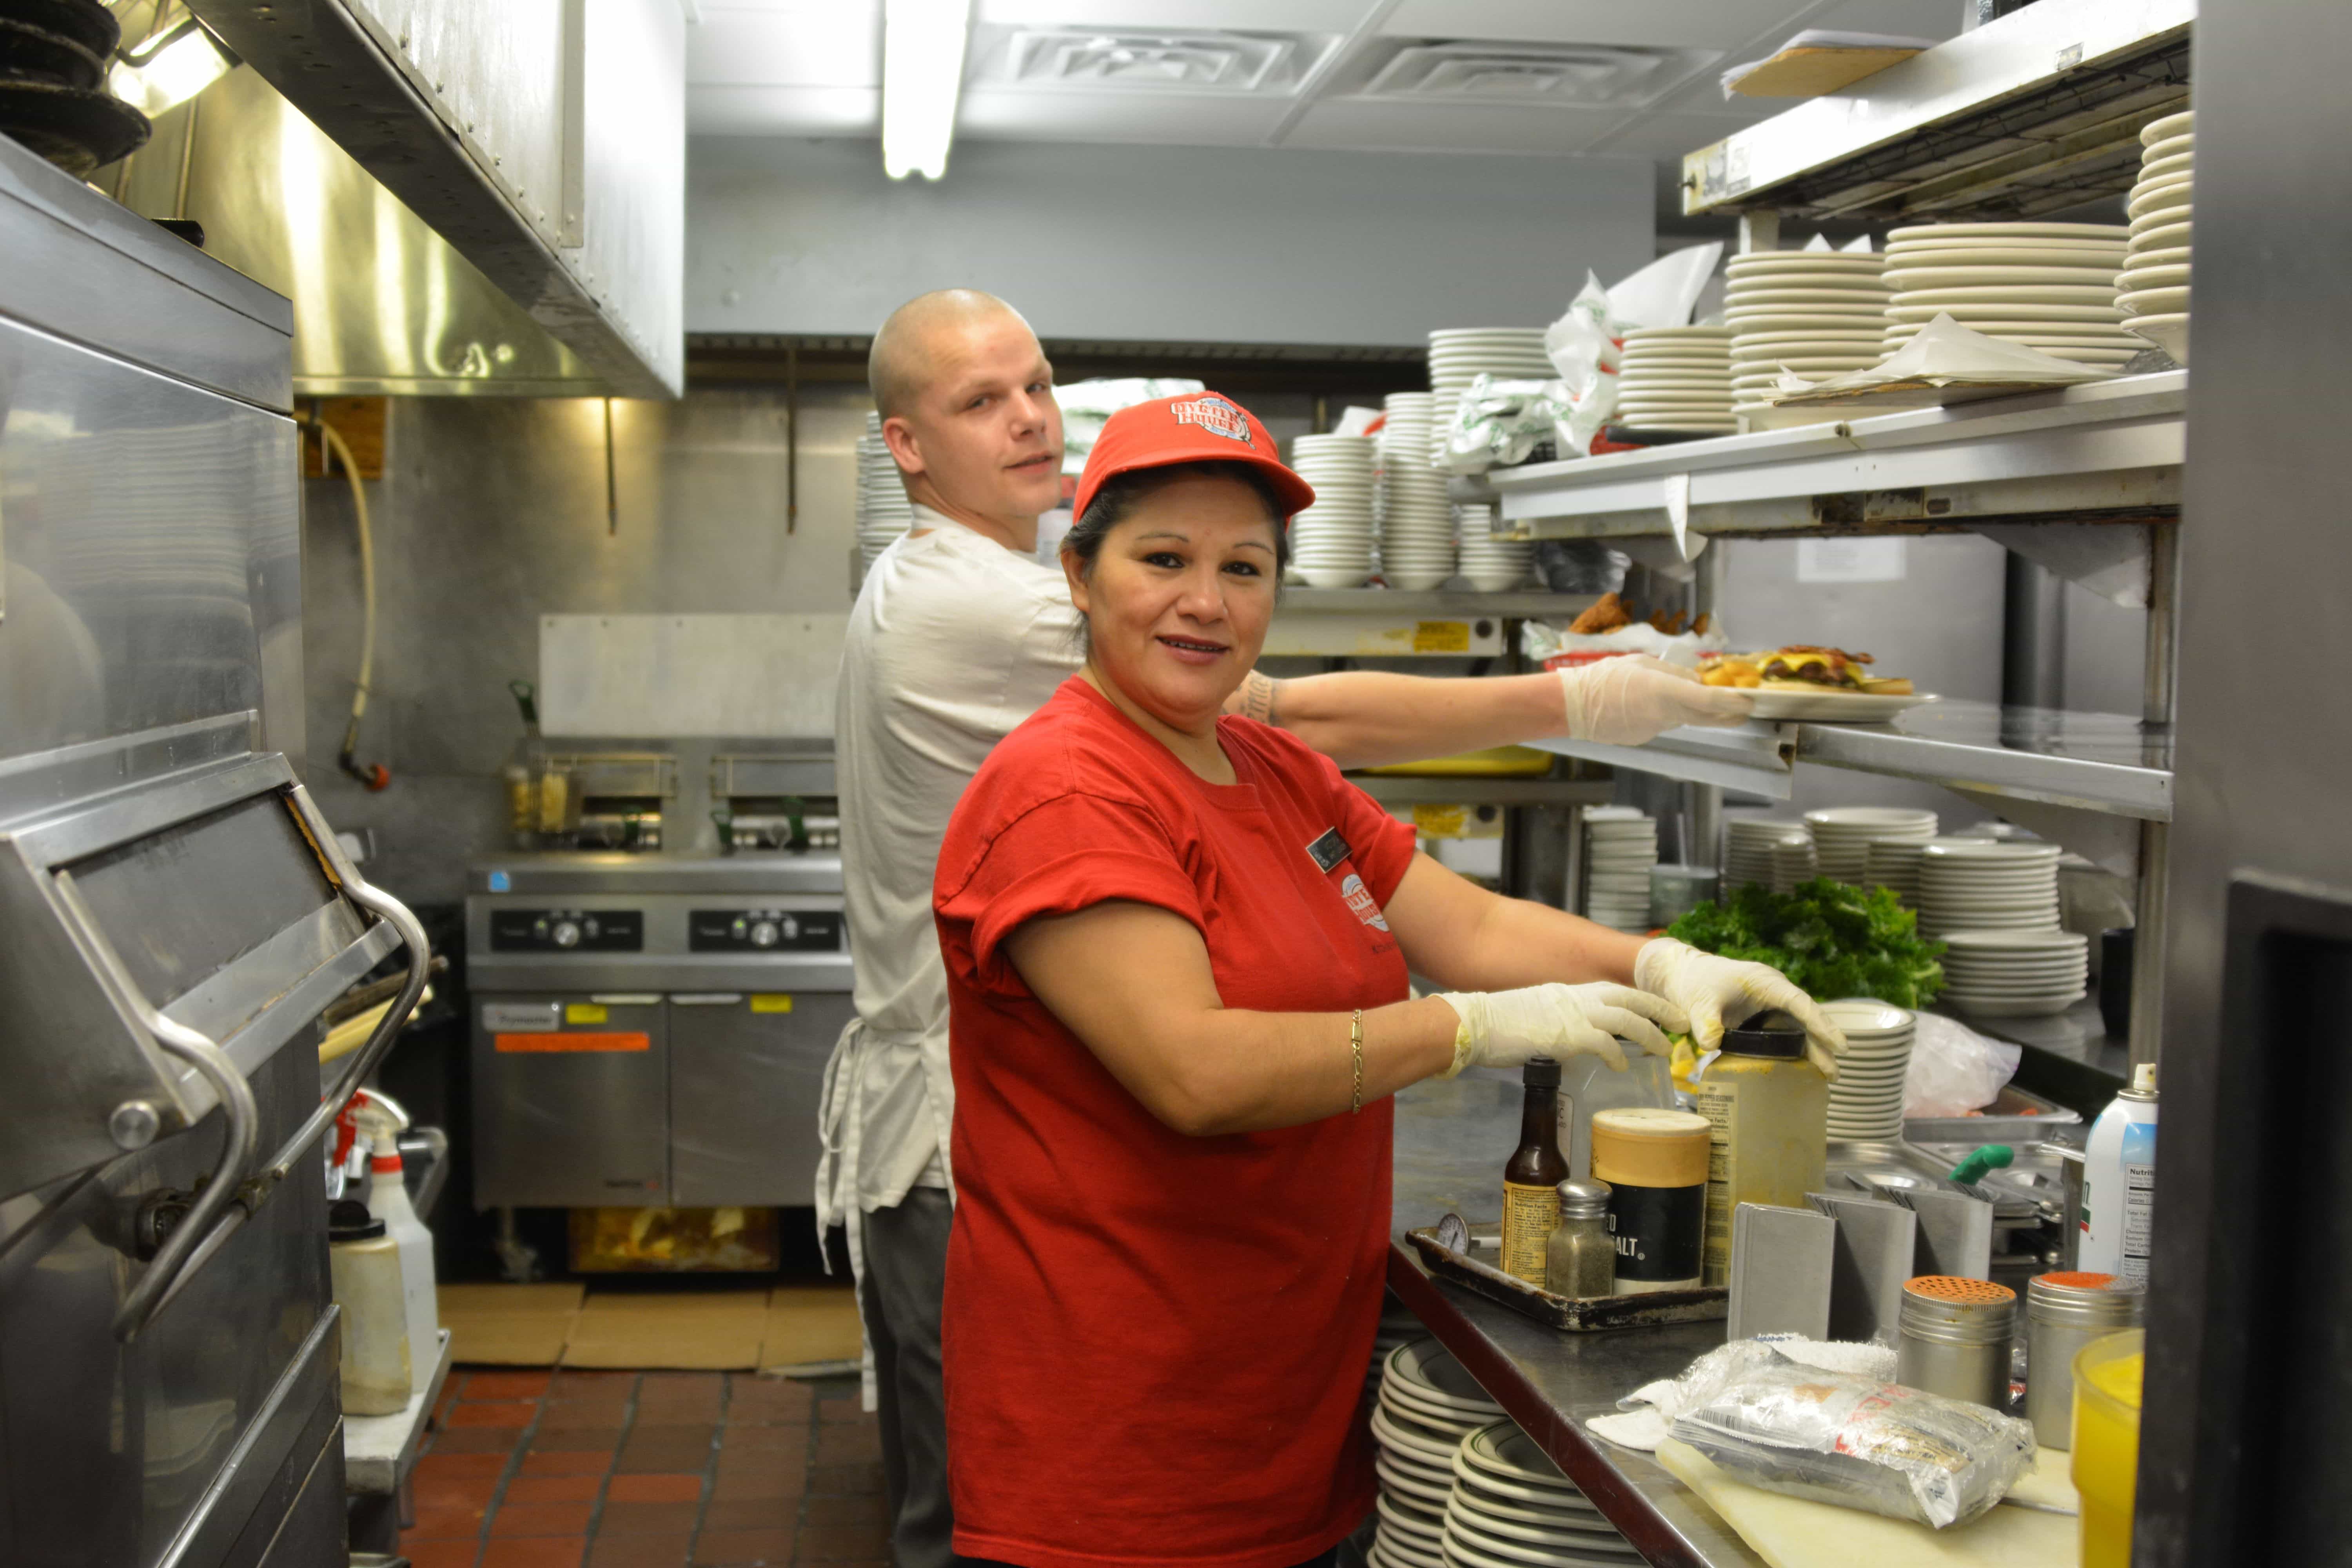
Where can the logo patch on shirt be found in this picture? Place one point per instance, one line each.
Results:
(1327, 850)
(1359, 898)
(1217, 416)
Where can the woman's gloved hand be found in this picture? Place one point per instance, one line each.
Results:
(1632, 699)
(1714, 991)
(1504, 1028)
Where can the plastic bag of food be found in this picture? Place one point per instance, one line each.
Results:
(1583, 345)
(1498, 423)
(1856, 1441)
(1953, 1069)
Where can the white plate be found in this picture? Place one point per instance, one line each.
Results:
(2161, 239)
(2181, 124)
(1458, 1550)
(2153, 303)
(2165, 196)
(2098, 294)
(1811, 364)
(1992, 851)
(1466, 1529)
(2005, 311)
(1801, 261)
(2140, 261)
(1428, 1370)
(2088, 231)
(1833, 707)
(2169, 333)
(2180, 164)
(1747, 301)
(1829, 338)
(1550, 1527)
(1780, 323)
(2048, 1008)
(1913, 278)
(1964, 254)
(2162, 217)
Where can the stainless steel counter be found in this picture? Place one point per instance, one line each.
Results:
(1451, 1142)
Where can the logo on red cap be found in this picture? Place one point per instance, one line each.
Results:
(1216, 416)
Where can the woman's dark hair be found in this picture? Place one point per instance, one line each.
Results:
(1121, 493)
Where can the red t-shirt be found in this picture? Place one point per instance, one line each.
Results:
(1155, 1345)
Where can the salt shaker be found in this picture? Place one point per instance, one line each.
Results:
(1579, 1256)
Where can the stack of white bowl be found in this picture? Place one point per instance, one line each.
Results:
(1416, 519)
(1676, 378)
(2015, 974)
(1511, 1506)
(1491, 564)
(1459, 356)
(1332, 542)
(2152, 290)
(1427, 1406)
(2049, 287)
(1844, 836)
(1895, 863)
(1620, 845)
(1795, 862)
(882, 511)
(1747, 849)
(1817, 312)
(1988, 884)
(1866, 1100)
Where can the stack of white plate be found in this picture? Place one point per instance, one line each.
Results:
(1416, 519)
(1459, 356)
(1511, 1507)
(2015, 974)
(1988, 884)
(882, 509)
(1895, 863)
(1866, 1100)
(1332, 542)
(1844, 834)
(1794, 862)
(2152, 290)
(2050, 286)
(1817, 312)
(1747, 849)
(1620, 845)
(1398, 1326)
(1427, 1406)
(1676, 378)
(1491, 564)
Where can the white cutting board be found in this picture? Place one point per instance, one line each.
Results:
(1795, 1533)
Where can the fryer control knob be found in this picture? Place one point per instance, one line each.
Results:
(566, 933)
(764, 934)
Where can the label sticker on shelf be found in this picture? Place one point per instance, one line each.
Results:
(565, 1045)
(1440, 637)
(586, 1013)
(771, 1002)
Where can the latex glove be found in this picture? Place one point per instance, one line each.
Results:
(1504, 1028)
(1632, 699)
(1714, 991)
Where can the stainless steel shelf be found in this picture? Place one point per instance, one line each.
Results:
(1509, 604)
(2036, 112)
(2111, 450)
(2096, 762)
(1394, 791)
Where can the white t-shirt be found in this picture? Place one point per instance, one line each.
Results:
(954, 639)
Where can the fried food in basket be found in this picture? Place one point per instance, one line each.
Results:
(1803, 667)
(1605, 615)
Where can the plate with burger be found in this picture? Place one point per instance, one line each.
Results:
(1819, 685)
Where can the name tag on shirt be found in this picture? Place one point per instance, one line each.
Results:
(1327, 850)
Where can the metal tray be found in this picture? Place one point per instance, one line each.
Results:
(1574, 1315)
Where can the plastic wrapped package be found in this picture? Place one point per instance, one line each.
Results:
(1498, 423)
(1953, 1070)
(1856, 1441)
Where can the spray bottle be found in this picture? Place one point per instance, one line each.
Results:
(387, 1200)
(2119, 1184)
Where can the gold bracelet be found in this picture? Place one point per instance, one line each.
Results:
(1356, 1043)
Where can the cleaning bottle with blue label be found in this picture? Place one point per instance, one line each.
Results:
(2119, 1184)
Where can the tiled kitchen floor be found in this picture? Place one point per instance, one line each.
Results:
(656, 1469)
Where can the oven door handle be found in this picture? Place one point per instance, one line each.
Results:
(205, 1229)
(704, 998)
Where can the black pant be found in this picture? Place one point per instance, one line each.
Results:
(906, 1275)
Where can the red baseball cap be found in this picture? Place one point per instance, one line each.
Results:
(1194, 428)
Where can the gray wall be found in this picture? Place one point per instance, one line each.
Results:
(1184, 244)
(492, 513)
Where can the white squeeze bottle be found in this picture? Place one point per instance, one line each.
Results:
(388, 1201)
(2119, 1184)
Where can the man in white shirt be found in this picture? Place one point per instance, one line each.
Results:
(958, 635)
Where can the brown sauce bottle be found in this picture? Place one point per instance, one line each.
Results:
(1532, 1177)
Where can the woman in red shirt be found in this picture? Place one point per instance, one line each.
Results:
(1176, 945)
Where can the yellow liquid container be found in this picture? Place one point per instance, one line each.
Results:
(2107, 1374)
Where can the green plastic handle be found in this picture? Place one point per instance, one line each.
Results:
(525, 697)
(1991, 1157)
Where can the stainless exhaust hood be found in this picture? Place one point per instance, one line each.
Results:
(459, 197)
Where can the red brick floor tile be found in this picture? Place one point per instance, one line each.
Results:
(743, 1547)
(540, 1551)
(579, 1379)
(575, 1440)
(845, 1481)
(472, 1465)
(456, 1523)
(554, 1489)
(843, 1409)
(846, 1510)
(752, 1400)
(645, 1518)
(754, 1483)
(654, 1489)
(439, 1554)
(574, 1412)
(539, 1519)
(567, 1462)
(640, 1458)
(639, 1550)
(455, 1491)
(506, 1385)
(477, 1440)
(838, 1542)
(756, 1513)
(838, 1445)
(683, 1433)
(495, 1413)
(793, 1438)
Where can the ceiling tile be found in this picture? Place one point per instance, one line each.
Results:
(782, 111)
(1182, 16)
(1703, 23)
(1349, 123)
(1170, 118)
(832, 45)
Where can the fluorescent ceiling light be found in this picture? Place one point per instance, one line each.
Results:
(923, 73)
(169, 69)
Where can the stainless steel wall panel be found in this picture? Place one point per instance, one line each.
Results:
(85, 268)
(572, 1128)
(743, 1088)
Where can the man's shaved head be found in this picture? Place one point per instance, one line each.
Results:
(901, 363)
